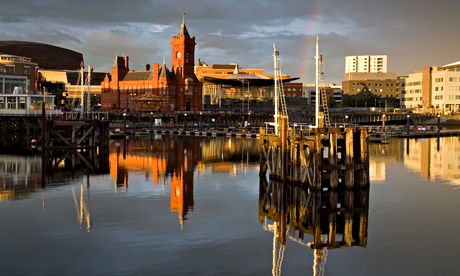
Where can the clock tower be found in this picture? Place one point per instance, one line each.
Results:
(183, 54)
(187, 93)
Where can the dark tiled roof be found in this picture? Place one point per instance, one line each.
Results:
(138, 75)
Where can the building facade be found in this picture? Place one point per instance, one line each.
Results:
(228, 85)
(159, 88)
(18, 74)
(384, 86)
(366, 64)
(436, 89)
(19, 93)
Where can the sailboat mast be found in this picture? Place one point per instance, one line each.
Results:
(317, 83)
(82, 81)
(88, 95)
(275, 69)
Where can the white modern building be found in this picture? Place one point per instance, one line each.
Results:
(366, 64)
(434, 88)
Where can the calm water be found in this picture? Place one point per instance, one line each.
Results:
(196, 206)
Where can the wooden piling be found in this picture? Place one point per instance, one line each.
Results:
(313, 161)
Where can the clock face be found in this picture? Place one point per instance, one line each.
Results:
(178, 54)
(187, 55)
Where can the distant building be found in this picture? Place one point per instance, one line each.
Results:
(17, 73)
(331, 90)
(434, 89)
(228, 85)
(386, 86)
(159, 88)
(366, 64)
(18, 87)
(67, 86)
(46, 56)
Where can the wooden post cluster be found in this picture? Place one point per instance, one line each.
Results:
(325, 158)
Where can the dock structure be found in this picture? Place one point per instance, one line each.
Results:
(320, 158)
(75, 142)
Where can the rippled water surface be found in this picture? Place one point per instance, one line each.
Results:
(195, 206)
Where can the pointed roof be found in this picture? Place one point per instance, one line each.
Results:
(119, 63)
(165, 73)
(183, 29)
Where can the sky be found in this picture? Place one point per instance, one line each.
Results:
(412, 33)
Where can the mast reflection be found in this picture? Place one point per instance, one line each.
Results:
(320, 220)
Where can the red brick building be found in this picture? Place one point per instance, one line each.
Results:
(157, 88)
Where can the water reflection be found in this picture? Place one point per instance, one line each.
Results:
(222, 220)
(430, 157)
(320, 220)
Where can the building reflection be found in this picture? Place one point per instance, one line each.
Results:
(435, 158)
(174, 160)
(20, 176)
(319, 220)
(432, 158)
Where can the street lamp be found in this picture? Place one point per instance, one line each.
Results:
(439, 124)
(408, 119)
(151, 121)
(185, 121)
(201, 120)
(124, 124)
(249, 119)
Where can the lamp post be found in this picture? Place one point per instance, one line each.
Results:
(124, 124)
(345, 120)
(151, 121)
(201, 120)
(185, 121)
(439, 124)
(408, 119)
(249, 119)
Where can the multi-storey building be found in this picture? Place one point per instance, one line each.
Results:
(366, 64)
(434, 88)
(17, 74)
(331, 90)
(161, 88)
(384, 86)
(18, 86)
(229, 85)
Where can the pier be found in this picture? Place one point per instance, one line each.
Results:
(320, 158)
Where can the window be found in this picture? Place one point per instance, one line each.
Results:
(438, 79)
(10, 69)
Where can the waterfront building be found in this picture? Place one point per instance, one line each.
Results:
(366, 64)
(17, 74)
(384, 86)
(18, 89)
(433, 89)
(157, 89)
(66, 85)
(229, 85)
(331, 90)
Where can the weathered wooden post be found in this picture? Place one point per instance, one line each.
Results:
(334, 173)
(349, 158)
